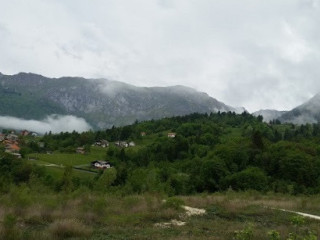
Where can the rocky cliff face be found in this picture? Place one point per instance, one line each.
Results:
(101, 102)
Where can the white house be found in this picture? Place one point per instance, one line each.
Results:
(171, 135)
(101, 164)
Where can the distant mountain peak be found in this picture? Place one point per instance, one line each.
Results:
(103, 103)
(308, 112)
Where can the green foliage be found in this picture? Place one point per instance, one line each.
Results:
(66, 182)
(245, 234)
(297, 221)
(106, 179)
(173, 202)
(274, 235)
(250, 178)
(212, 172)
(209, 153)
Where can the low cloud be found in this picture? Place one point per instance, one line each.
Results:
(256, 54)
(54, 123)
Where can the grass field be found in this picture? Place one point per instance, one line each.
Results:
(71, 159)
(56, 162)
(88, 215)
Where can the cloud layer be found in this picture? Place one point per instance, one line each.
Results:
(53, 123)
(256, 54)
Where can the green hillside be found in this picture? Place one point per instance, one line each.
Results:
(208, 153)
(235, 172)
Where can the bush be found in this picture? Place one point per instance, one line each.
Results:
(274, 235)
(174, 202)
(250, 178)
(245, 234)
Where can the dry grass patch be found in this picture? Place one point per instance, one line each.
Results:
(66, 228)
(4, 211)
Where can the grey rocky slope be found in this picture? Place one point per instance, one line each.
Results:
(101, 102)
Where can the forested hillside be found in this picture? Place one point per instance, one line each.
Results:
(209, 153)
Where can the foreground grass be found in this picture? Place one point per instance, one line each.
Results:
(33, 213)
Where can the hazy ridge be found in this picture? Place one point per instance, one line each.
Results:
(101, 102)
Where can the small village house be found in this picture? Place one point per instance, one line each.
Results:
(80, 150)
(143, 134)
(124, 144)
(24, 133)
(121, 144)
(12, 148)
(102, 143)
(100, 164)
(12, 137)
(17, 155)
(171, 135)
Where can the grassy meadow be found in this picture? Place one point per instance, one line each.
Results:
(56, 162)
(72, 159)
(26, 214)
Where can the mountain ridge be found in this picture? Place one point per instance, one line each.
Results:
(102, 102)
(308, 112)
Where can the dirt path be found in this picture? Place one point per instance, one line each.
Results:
(301, 214)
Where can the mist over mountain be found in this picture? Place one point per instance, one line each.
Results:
(101, 102)
(308, 112)
(269, 114)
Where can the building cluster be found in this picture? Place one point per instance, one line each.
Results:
(124, 144)
(10, 142)
(101, 143)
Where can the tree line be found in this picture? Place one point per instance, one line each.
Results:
(211, 152)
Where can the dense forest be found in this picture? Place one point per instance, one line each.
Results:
(209, 153)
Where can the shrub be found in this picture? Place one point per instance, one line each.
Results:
(250, 178)
(174, 202)
(245, 234)
(274, 235)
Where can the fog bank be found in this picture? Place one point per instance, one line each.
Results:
(54, 123)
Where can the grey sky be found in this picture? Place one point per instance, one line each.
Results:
(251, 53)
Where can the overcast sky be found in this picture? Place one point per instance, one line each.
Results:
(251, 53)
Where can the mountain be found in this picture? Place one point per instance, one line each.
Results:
(308, 112)
(269, 114)
(103, 103)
